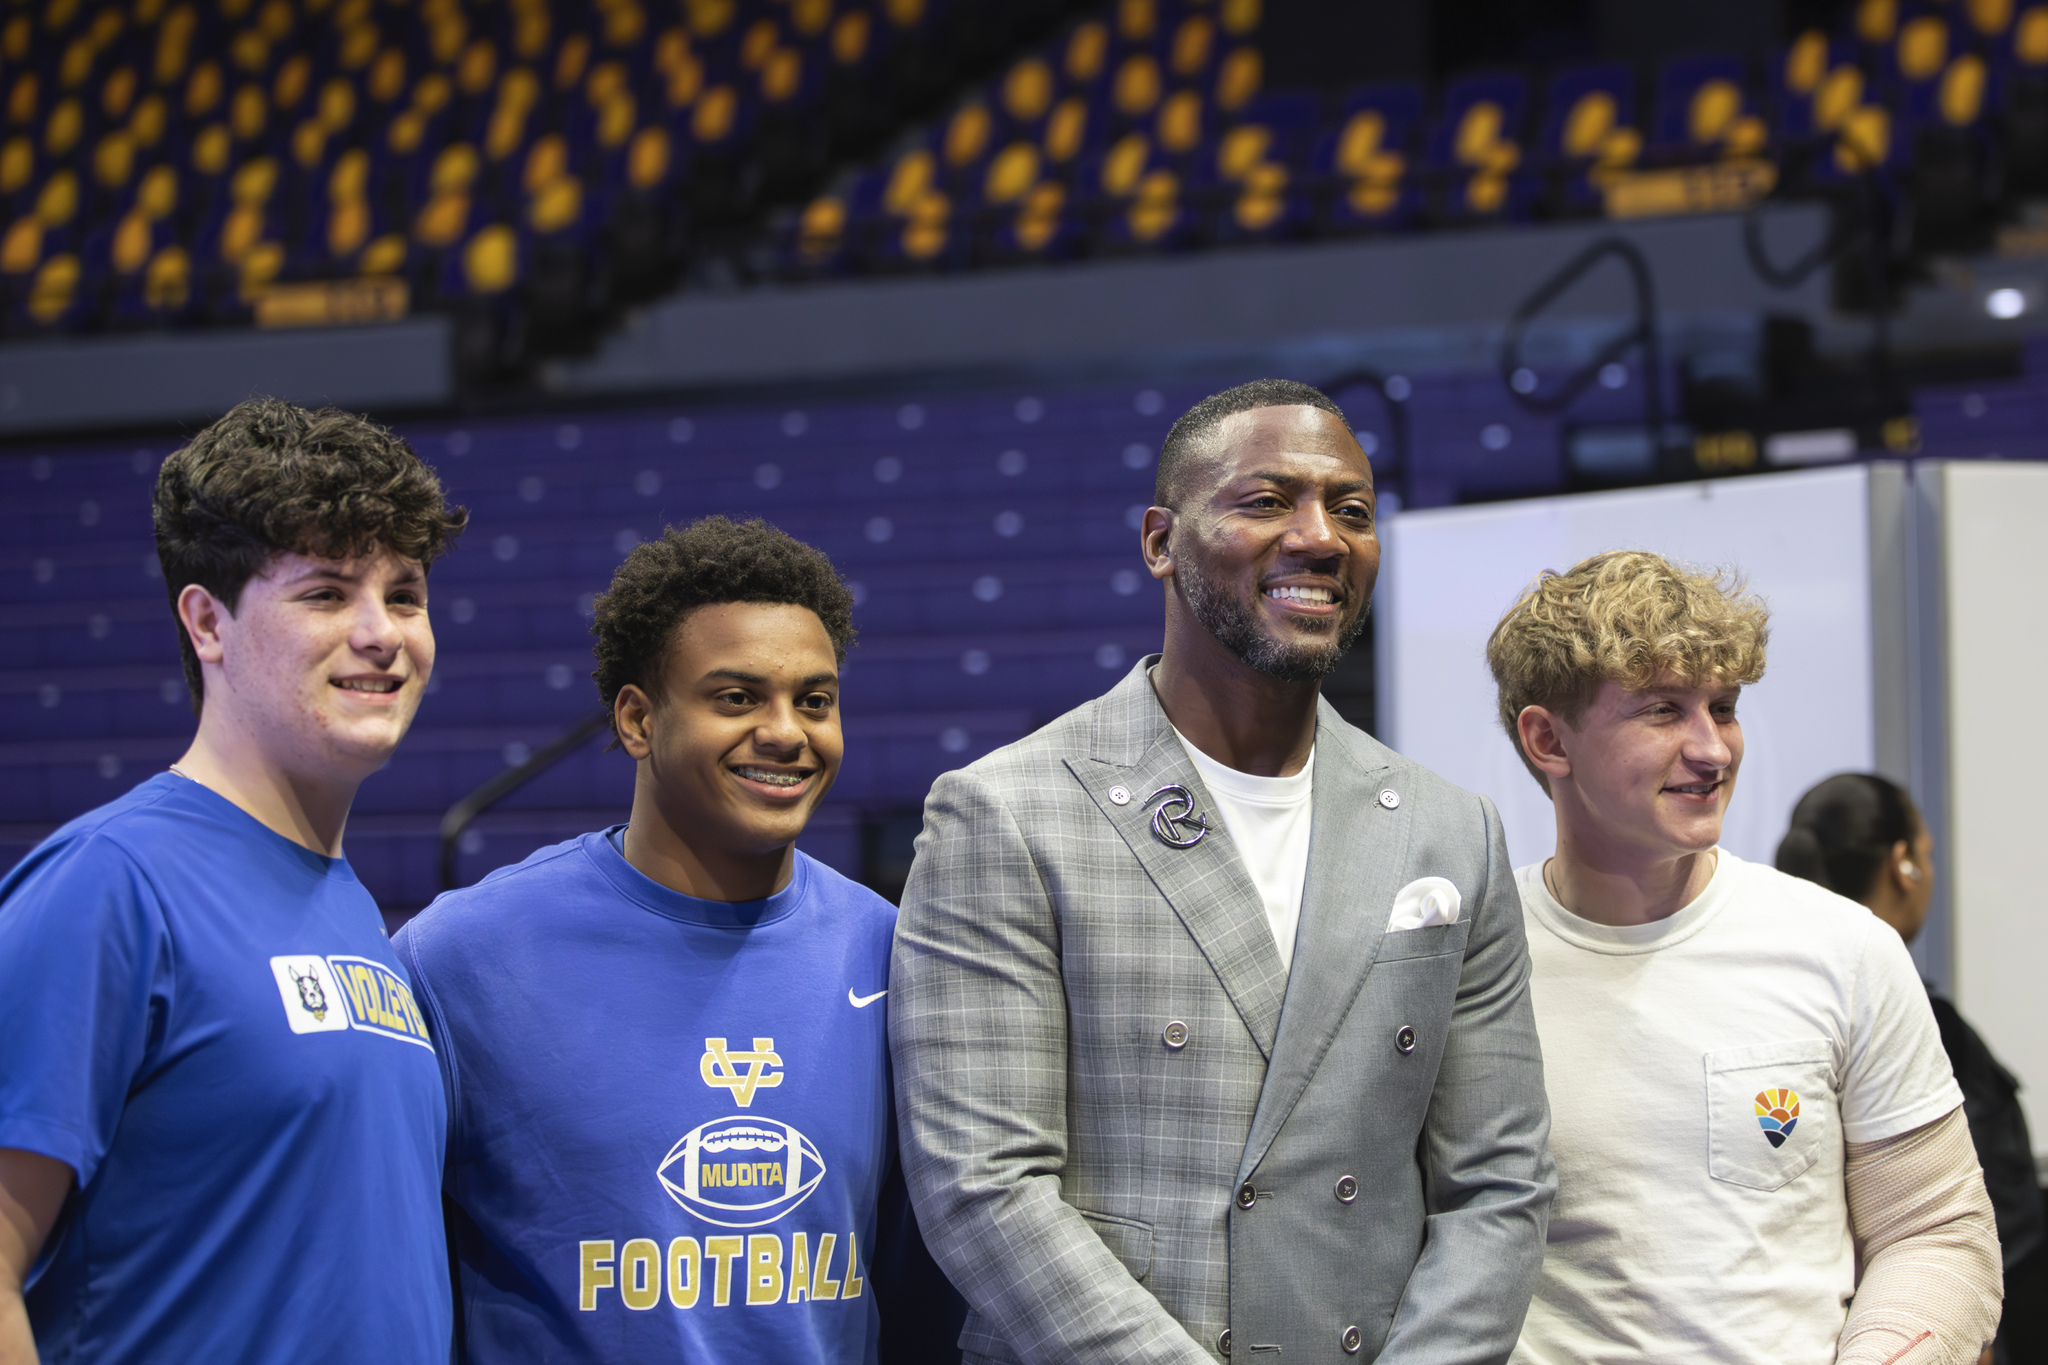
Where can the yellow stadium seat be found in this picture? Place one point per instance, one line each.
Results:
(1028, 90)
(55, 289)
(967, 134)
(850, 36)
(1989, 17)
(925, 231)
(716, 112)
(647, 159)
(1066, 131)
(1155, 207)
(1961, 96)
(168, 283)
(1087, 50)
(1877, 20)
(1125, 164)
(1179, 125)
(444, 219)
(1137, 86)
(1011, 173)
(1193, 44)
(1039, 219)
(1239, 79)
(558, 206)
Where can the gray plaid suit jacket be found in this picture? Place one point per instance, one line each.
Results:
(1100, 1195)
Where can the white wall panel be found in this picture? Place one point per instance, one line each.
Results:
(1994, 521)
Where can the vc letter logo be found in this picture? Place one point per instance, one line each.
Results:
(740, 1072)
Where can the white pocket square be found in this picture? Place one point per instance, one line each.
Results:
(1423, 902)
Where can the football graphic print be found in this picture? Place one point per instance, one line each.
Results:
(1777, 1112)
(741, 1172)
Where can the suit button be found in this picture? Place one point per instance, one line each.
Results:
(1352, 1340)
(1223, 1342)
(1347, 1188)
(1404, 1040)
(1176, 1035)
(1246, 1195)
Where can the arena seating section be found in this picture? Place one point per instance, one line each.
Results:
(991, 538)
(162, 163)
(1146, 129)
(533, 164)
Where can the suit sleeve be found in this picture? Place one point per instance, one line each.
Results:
(978, 1029)
(1485, 1150)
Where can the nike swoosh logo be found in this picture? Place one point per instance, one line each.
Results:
(861, 1002)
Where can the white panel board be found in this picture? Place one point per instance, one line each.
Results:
(1803, 542)
(1996, 603)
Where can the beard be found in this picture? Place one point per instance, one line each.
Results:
(1235, 624)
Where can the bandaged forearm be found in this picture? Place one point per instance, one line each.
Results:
(1931, 1285)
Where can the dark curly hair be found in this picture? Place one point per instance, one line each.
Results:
(703, 564)
(1192, 430)
(270, 479)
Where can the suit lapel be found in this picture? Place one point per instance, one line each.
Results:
(1206, 885)
(1356, 857)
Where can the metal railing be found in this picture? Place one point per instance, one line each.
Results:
(1393, 395)
(1521, 379)
(501, 785)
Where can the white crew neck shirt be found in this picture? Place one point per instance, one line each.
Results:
(1268, 819)
(1681, 1232)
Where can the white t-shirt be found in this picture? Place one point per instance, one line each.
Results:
(1268, 820)
(1682, 1232)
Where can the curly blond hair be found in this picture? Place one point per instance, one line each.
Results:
(1625, 616)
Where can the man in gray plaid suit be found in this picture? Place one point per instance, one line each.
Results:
(1210, 1014)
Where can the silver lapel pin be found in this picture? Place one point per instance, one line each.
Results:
(1175, 815)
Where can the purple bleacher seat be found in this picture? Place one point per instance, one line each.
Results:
(1475, 153)
(1680, 127)
(1591, 122)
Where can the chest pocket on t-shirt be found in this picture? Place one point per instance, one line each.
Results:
(1769, 1109)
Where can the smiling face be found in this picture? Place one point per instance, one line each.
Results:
(1272, 546)
(744, 739)
(1647, 774)
(322, 662)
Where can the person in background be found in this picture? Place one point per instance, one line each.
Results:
(1859, 835)
(666, 1042)
(221, 1122)
(1761, 1153)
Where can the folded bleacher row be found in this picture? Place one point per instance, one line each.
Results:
(992, 538)
(168, 161)
(1146, 130)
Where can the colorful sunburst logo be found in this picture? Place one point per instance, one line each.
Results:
(1777, 1113)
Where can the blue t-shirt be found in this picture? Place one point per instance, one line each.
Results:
(204, 1021)
(669, 1117)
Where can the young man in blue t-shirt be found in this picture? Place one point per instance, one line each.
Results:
(220, 1115)
(665, 1043)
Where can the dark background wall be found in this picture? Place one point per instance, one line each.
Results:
(1335, 43)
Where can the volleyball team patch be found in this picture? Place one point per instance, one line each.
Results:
(1777, 1113)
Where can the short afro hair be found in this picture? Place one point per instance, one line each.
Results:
(1626, 616)
(704, 564)
(1191, 433)
(269, 479)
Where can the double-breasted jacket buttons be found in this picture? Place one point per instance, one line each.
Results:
(1246, 1195)
(1347, 1188)
(1223, 1342)
(1176, 1035)
(1404, 1039)
(1351, 1340)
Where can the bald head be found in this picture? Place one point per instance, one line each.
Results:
(1194, 435)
